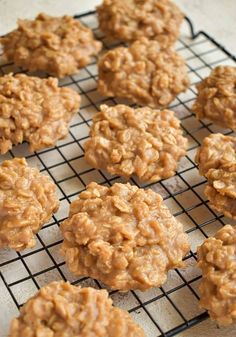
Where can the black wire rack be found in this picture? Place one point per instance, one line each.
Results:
(165, 311)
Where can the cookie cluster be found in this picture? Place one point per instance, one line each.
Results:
(121, 235)
(217, 162)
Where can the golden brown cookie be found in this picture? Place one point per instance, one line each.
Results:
(35, 110)
(27, 201)
(130, 20)
(217, 162)
(216, 98)
(123, 236)
(59, 46)
(144, 73)
(216, 258)
(143, 141)
(61, 309)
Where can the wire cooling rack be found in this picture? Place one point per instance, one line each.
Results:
(164, 311)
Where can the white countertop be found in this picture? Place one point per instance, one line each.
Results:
(217, 17)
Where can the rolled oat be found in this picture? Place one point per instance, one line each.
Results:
(130, 20)
(35, 110)
(27, 201)
(59, 46)
(63, 310)
(217, 162)
(216, 98)
(144, 73)
(143, 141)
(123, 236)
(216, 258)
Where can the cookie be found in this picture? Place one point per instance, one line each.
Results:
(130, 20)
(27, 201)
(123, 236)
(216, 259)
(61, 309)
(144, 73)
(217, 162)
(216, 99)
(35, 110)
(59, 46)
(142, 141)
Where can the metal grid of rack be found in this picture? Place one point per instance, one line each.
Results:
(162, 312)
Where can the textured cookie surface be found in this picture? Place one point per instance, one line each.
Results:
(216, 258)
(130, 20)
(216, 98)
(63, 310)
(27, 201)
(143, 141)
(144, 73)
(123, 236)
(217, 162)
(35, 110)
(59, 46)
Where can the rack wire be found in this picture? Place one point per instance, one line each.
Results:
(165, 311)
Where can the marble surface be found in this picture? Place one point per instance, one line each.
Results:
(217, 17)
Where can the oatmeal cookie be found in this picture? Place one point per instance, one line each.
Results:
(35, 110)
(27, 201)
(59, 46)
(221, 190)
(62, 310)
(123, 236)
(143, 141)
(143, 73)
(216, 258)
(130, 20)
(216, 98)
(217, 162)
(216, 151)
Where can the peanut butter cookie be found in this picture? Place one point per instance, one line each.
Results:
(144, 73)
(216, 98)
(59, 46)
(143, 141)
(63, 310)
(35, 110)
(27, 201)
(130, 20)
(216, 258)
(123, 236)
(217, 162)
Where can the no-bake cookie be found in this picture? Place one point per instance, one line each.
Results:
(142, 141)
(63, 310)
(216, 258)
(123, 236)
(35, 110)
(216, 98)
(59, 46)
(27, 201)
(217, 162)
(144, 73)
(130, 20)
